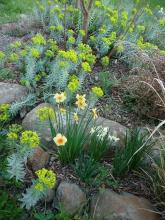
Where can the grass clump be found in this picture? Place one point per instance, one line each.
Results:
(132, 154)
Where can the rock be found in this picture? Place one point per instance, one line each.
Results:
(109, 205)
(39, 159)
(11, 92)
(115, 128)
(71, 197)
(32, 122)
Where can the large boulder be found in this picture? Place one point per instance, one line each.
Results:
(11, 92)
(32, 122)
(108, 205)
(71, 197)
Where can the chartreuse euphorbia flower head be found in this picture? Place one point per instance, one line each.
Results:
(46, 179)
(97, 91)
(73, 83)
(14, 131)
(30, 138)
(13, 57)
(2, 55)
(38, 39)
(105, 61)
(69, 55)
(35, 53)
(86, 67)
(4, 112)
(46, 113)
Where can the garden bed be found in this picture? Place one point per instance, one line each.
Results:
(82, 113)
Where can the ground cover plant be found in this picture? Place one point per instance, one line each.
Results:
(66, 67)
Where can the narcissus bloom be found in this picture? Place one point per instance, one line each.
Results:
(95, 115)
(81, 101)
(60, 140)
(60, 97)
(76, 117)
(62, 110)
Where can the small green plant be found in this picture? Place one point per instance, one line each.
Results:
(132, 154)
(86, 168)
(62, 215)
(92, 173)
(48, 215)
(104, 80)
(6, 74)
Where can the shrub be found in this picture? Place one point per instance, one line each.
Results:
(132, 154)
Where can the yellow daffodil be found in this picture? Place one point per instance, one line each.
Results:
(76, 117)
(60, 97)
(60, 140)
(81, 101)
(95, 115)
(81, 97)
(62, 110)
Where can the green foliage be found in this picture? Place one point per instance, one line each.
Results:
(31, 197)
(27, 101)
(91, 172)
(62, 215)
(6, 74)
(77, 136)
(3, 152)
(44, 216)
(16, 167)
(132, 154)
(9, 209)
(99, 143)
(157, 176)
(104, 81)
(4, 114)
